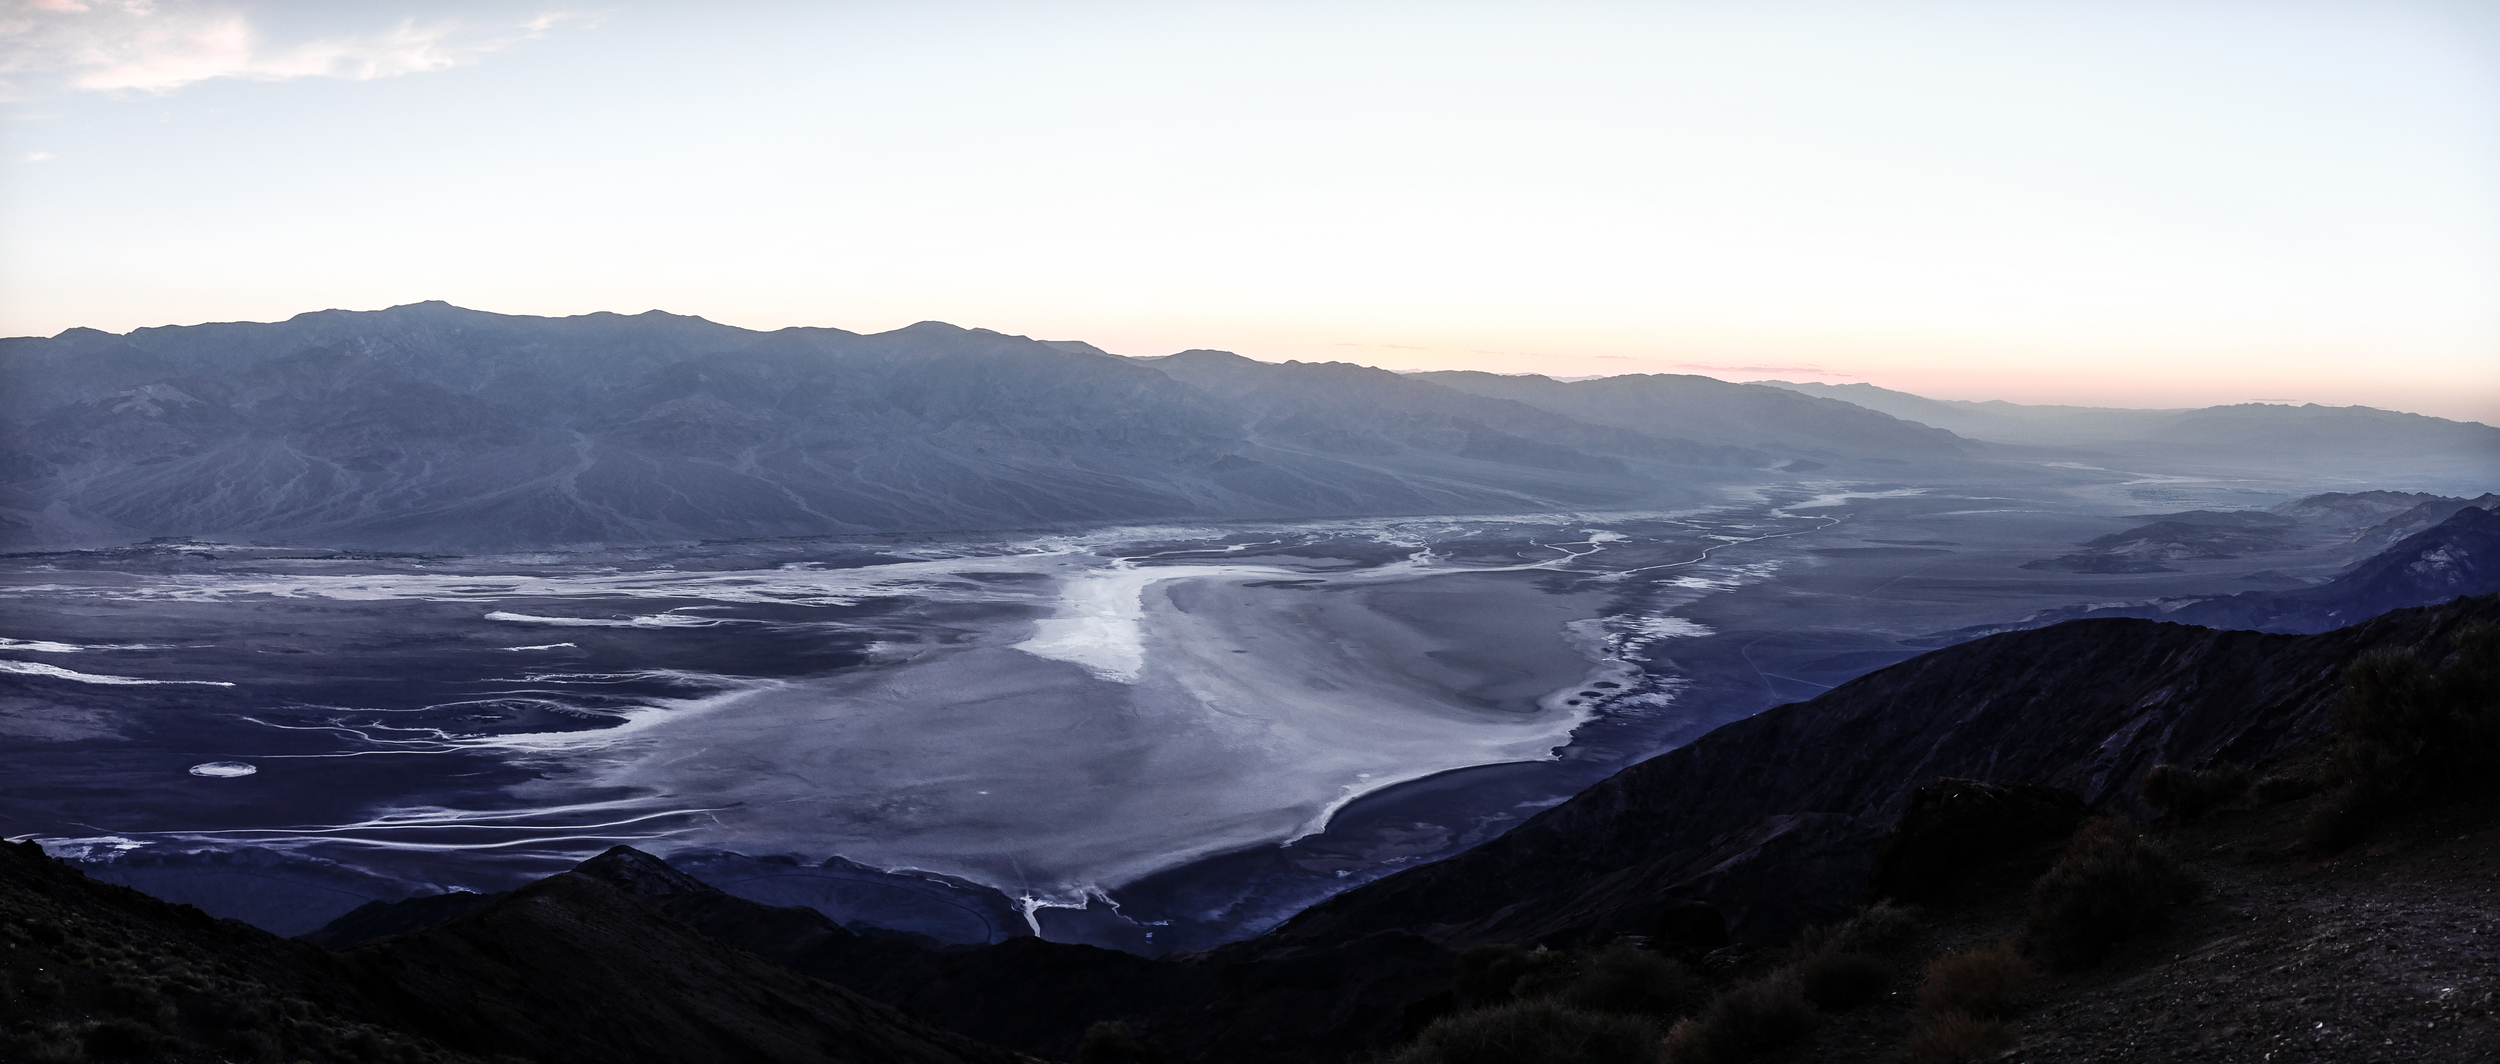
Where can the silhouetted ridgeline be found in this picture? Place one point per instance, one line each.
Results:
(571, 968)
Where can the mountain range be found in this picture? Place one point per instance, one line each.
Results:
(428, 426)
(2340, 440)
(432, 426)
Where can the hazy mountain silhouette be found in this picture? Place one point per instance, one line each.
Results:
(2274, 432)
(430, 426)
(1704, 408)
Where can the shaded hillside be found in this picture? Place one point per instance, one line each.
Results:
(570, 968)
(1775, 818)
(1773, 419)
(2196, 535)
(1024, 993)
(2430, 511)
(2460, 556)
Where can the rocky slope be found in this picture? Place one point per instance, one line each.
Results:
(1776, 818)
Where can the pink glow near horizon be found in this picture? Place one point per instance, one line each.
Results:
(2192, 203)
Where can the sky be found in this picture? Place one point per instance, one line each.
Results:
(2113, 202)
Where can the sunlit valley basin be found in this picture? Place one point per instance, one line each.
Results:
(1060, 718)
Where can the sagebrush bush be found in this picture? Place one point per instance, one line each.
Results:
(2190, 793)
(2108, 884)
(52, 1045)
(1836, 982)
(2407, 732)
(2275, 790)
(1111, 1042)
(1960, 1038)
(1629, 980)
(1532, 1032)
(1986, 982)
(1688, 929)
(2339, 819)
(1742, 1023)
(1883, 928)
(1493, 974)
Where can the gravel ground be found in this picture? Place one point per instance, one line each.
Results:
(2389, 952)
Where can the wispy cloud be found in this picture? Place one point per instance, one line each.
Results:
(41, 156)
(147, 46)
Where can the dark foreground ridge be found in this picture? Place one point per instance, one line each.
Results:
(570, 968)
(1678, 888)
(1776, 819)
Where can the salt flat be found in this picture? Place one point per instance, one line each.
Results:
(1058, 716)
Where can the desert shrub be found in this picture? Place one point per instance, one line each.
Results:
(1110, 1042)
(2108, 884)
(1547, 974)
(2339, 819)
(1987, 982)
(255, 1045)
(1493, 974)
(122, 1038)
(46, 932)
(52, 1045)
(1629, 980)
(2189, 793)
(1836, 981)
(1959, 1038)
(1742, 1023)
(2275, 790)
(1532, 1032)
(2407, 732)
(1882, 928)
(1688, 930)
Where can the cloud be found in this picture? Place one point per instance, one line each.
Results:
(40, 156)
(123, 46)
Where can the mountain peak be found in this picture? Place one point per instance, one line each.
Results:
(639, 873)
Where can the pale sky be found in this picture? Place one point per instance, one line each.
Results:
(2127, 203)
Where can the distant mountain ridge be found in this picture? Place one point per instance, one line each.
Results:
(2458, 557)
(429, 426)
(2248, 427)
(1769, 417)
